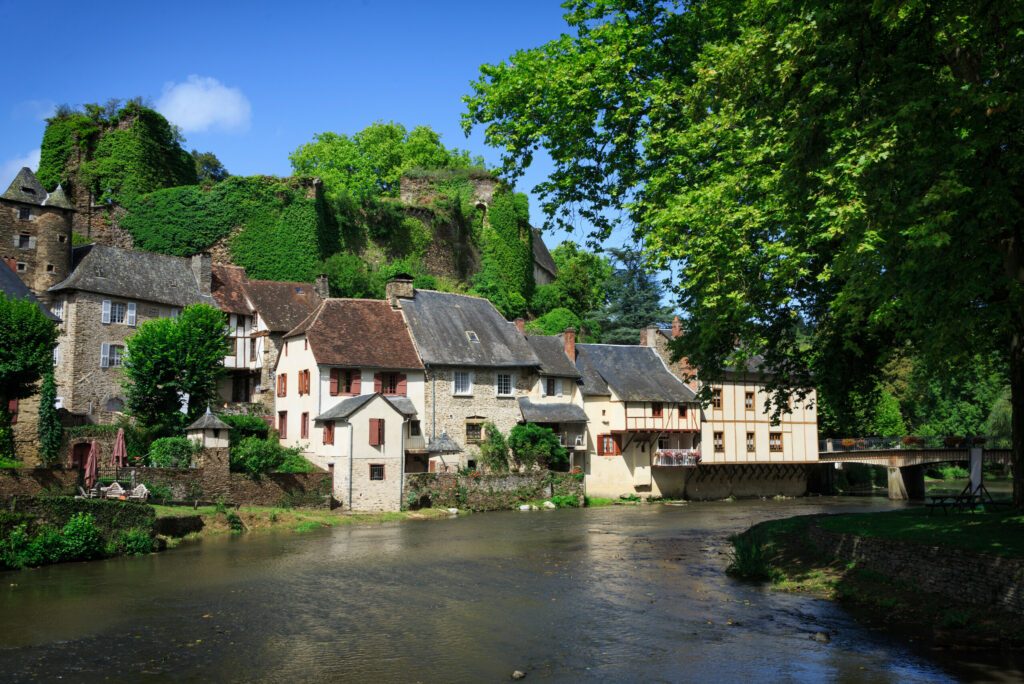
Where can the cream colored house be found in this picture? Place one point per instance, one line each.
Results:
(349, 391)
(555, 400)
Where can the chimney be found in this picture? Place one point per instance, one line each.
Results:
(520, 326)
(202, 269)
(649, 336)
(322, 287)
(11, 263)
(677, 328)
(569, 343)
(643, 337)
(399, 287)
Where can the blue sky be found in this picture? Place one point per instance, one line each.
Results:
(253, 81)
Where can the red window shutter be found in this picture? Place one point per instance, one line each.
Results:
(329, 432)
(282, 424)
(334, 384)
(378, 383)
(400, 386)
(357, 381)
(375, 432)
(617, 444)
(600, 444)
(304, 427)
(12, 410)
(380, 431)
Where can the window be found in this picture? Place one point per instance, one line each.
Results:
(682, 410)
(345, 381)
(719, 441)
(24, 213)
(111, 355)
(504, 384)
(552, 387)
(282, 384)
(21, 267)
(775, 441)
(24, 241)
(62, 239)
(252, 348)
(607, 445)
(58, 308)
(49, 268)
(376, 431)
(376, 471)
(303, 382)
(414, 428)
(472, 336)
(656, 409)
(474, 432)
(282, 424)
(115, 404)
(329, 432)
(748, 401)
(716, 398)
(463, 383)
(56, 355)
(304, 426)
(389, 383)
(118, 312)
(751, 443)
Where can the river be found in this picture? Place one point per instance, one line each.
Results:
(605, 594)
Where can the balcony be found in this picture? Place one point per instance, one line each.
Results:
(572, 440)
(676, 458)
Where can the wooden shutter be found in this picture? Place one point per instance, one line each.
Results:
(282, 424)
(375, 431)
(104, 355)
(617, 444)
(304, 426)
(329, 432)
(380, 431)
(282, 385)
(378, 383)
(401, 386)
(558, 386)
(334, 384)
(130, 318)
(600, 445)
(357, 381)
(105, 315)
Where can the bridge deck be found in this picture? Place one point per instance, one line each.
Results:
(900, 458)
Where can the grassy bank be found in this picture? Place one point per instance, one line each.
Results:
(778, 552)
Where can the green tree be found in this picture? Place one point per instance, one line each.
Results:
(634, 299)
(348, 276)
(494, 449)
(50, 429)
(27, 339)
(834, 180)
(171, 357)
(209, 169)
(533, 445)
(553, 322)
(582, 278)
(888, 421)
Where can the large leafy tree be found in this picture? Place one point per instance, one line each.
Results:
(834, 180)
(27, 339)
(169, 358)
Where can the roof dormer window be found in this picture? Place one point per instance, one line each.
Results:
(28, 191)
(472, 336)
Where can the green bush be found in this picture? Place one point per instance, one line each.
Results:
(258, 456)
(750, 558)
(533, 445)
(565, 501)
(172, 452)
(81, 539)
(159, 492)
(243, 426)
(294, 462)
(494, 449)
(234, 522)
(133, 542)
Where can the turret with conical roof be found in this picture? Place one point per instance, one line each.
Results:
(35, 233)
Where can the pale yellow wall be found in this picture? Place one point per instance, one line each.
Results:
(298, 357)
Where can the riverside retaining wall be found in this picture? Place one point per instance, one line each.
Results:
(978, 579)
(479, 492)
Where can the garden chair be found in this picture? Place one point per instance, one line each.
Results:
(115, 491)
(140, 493)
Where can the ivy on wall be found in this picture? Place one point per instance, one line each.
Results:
(506, 276)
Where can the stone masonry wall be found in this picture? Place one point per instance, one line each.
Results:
(479, 492)
(27, 482)
(978, 579)
(26, 430)
(47, 259)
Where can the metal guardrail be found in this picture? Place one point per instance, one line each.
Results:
(686, 458)
(847, 444)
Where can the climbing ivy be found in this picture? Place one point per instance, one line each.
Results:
(506, 277)
(65, 135)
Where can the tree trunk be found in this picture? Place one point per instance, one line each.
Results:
(1017, 404)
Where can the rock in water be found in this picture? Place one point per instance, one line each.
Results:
(524, 507)
(549, 504)
(518, 674)
(822, 637)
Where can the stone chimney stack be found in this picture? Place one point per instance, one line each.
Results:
(322, 287)
(677, 328)
(569, 343)
(399, 287)
(649, 336)
(202, 269)
(520, 326)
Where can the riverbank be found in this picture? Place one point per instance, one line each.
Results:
(931, 578)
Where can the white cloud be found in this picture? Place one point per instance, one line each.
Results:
(200, 103)
(9, 168)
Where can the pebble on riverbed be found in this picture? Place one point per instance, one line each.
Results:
(518, 674)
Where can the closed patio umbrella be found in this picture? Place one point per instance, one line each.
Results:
(92, 465)
(120, 453)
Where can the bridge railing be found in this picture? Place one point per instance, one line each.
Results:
(839, 445)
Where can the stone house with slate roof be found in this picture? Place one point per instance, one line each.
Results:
(350, 393)
(24, 412)
(477, 366)
(110, 292)
(35, 233)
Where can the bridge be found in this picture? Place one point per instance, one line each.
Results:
(907, 457)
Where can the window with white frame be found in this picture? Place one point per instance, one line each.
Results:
(118, 312)
(58, 308)
(504, 384)
(462, 383)
(111, 355)
(56, 355)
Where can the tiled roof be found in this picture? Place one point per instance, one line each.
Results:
(541, 256)
(551, 412)
(133, 275)
(12, 287)
(359, 333)
(26, 188)
(228, 289)
(282, 305)
(442, 324)
(634, 373)
(551, 351)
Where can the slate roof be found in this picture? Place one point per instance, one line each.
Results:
(282, 305)
(208, 421)
(228, 288)
(443, 445)
(133, 275)
(439, 322)
(634, 373)
(57, 198)
(13, 288)
(562, 412)
(541, 256)
(27, 189)
(551, 352)
(346, 407)
(358, 333)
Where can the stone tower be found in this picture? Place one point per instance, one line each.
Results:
(35, 233)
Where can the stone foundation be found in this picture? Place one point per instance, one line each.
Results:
(746, 481)
(487, 492)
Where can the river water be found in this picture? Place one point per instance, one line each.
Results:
(606, 594)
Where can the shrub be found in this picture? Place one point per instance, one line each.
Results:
(81, 539)
(172, 452)
(243, 426)
(159, 492)
(234, 522)
(494, 449)
(533, 445)
(133, 542)
(294, 462)
(259, 456)
(565, 501)
(750, 558)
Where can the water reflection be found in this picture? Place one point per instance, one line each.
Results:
(621, 594)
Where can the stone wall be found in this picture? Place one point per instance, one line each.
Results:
(479, 492)
(421, 191)
(216, 484)
(46, 260)
(973, 578)
(26, 482)
(26, 430)
(746, 481)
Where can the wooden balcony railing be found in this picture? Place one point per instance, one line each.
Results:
(680, 458)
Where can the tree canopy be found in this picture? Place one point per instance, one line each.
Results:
(634, 299)
(835, 181)
(27, 339)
